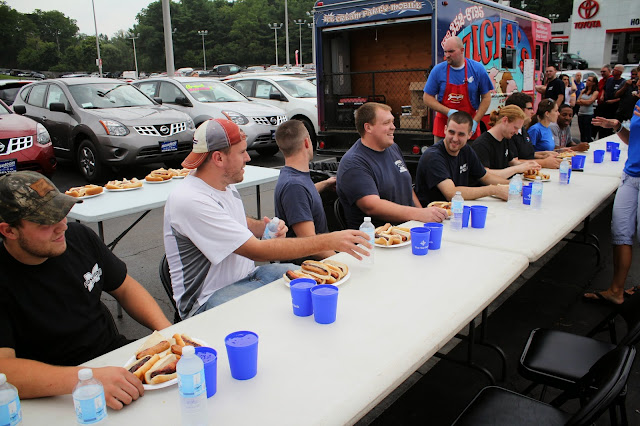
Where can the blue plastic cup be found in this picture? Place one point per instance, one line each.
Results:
(242, 351)
(598, 156)
(325, 303)
(612, 145)
(526, 194)
(301, 296)
(577, 162)
(478, 216)
(209, 357)
(435, 237)
(615, 154)
(420, 240)
(466, 211)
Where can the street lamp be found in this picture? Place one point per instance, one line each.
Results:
(275, 27)
(99, 60)
(133, 38)
(203, 33)
(300, 23)
(553, 17)
(313, 36)
(286, 31)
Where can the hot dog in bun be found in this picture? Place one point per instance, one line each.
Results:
(155, 344)
(140, 366)
(334, 265)
(442, 205)
(163, 370)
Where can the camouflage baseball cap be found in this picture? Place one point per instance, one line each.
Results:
(31, 196)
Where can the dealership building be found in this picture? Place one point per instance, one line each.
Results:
(601, 31)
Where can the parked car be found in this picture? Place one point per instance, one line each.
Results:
(101, 123)
(585, 74)
(24, 144)
(570, 61)
(297, 96)
(226, 69)
(9, 89)
(627, 70)
(206, 98)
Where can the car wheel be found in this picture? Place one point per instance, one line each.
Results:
(569, 66)
(89, 161)
(312, 132)
(267, 151)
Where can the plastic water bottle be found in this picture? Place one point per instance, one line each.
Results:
(192, 388)
(564, 172)
(368, 228)
(457, 207)
(515, 189)
(88, 398)
(10, 412)
(271, 229)
(536, 194)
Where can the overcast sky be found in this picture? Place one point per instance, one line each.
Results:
(111, 15)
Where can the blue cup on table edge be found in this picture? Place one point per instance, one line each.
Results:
(301, 296)
(420, 240)
(526, 194)
(466, 211)
(611, 145)
(435, 237)
(598, 155)
(325, 303)
(615, 154)
(479, 216)
(242, 351)
(577, 162)
(209, 357)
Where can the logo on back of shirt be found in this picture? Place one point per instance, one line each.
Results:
(463, 168)
(401, 167)
(91, 278)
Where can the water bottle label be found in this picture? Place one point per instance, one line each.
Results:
(92, 410)
(10, 414)
(191, 385)
(457, 206)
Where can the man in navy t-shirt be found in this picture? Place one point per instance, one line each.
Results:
(297, 200)
(451, 164)
(373, 179)
(553, 88)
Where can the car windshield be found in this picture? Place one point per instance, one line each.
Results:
(8, 94)
(108, 95)
(213, 91)
(3, 109)
(299, 88)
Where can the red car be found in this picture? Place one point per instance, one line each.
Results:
(24, 144)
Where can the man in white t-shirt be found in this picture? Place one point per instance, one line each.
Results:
(211, 244)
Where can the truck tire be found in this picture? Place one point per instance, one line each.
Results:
(569, 67)
(312, 132)
(89, 162)
(269, 151)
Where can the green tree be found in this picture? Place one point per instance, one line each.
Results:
(38, 55)
(53, 26)
(13, 37)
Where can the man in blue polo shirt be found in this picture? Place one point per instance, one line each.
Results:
(450, 165)
(458, 84)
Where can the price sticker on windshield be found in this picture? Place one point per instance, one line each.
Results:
(168, 146)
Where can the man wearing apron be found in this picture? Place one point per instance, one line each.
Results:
(459, 84)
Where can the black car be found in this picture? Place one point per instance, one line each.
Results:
(571, 61)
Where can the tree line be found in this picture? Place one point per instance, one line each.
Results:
(238, 32)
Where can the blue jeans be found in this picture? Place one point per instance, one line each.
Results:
(264, 274)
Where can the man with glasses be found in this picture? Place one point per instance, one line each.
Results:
(554, 88)
(459, 84)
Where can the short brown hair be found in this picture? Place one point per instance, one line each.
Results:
(461, 117)
(512, 112)
(367, 114)
(290, 135)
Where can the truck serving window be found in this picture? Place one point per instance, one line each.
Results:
(508, 58)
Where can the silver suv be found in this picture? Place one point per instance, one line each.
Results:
(102, 122)
(204, 98)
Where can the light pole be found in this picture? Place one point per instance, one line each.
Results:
(133, 38)
(286, 31)
(203, 33)
(300, 23)
(275, 27)
(313, 35)
(99, 60)
(553, 17)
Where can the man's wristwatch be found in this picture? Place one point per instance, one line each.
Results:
(619, 128)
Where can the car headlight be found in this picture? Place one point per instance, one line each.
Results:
(236, 117)
(190, 124)
(43, 134)
(114, 128)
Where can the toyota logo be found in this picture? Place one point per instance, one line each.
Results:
(273, 120)
(164, 130)
(588, 9)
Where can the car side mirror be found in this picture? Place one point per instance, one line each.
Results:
(20, 109)
(278, 97)
(182, 100)
(57, 107)
(158, 100)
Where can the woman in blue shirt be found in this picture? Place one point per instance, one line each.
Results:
(539, 132)
(625, 220)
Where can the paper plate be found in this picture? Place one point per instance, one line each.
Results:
(342, 281)
(406, 243)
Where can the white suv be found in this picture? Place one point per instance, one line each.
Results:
(203, 98)
(297, 96)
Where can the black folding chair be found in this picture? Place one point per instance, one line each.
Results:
(338, 211)
(165, 278)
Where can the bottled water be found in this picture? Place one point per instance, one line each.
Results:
(564, 172)
(536, 194)
(271, 229)
(515, 189)
(10, 412)
(457, 207)
(192, 388)
(88, 398)
(368, 228)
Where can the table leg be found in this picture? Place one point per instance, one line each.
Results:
(258, 202)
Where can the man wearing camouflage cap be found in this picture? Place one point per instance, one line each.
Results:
(53, 274)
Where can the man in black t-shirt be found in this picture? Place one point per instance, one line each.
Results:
(373, 179)
(451, 164)
(610, 101)
(554, 88)
(53, 275)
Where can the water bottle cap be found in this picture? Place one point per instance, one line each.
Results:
(275, 220)
(188, 350)
(85, 374)
(367, 219)
(3, 379)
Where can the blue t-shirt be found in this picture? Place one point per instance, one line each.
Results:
(437, 165)
(632, 166)
(363, 171)
(541, 138)
(297, 200)
(478, 81)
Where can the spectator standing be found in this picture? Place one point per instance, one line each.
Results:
(627, 97)
(610, 105)
(569, 90)
(605, 72)
(586, 103)
(577, 80)
(553, 88)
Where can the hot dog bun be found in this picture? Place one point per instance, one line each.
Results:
(383, 229)
(292, 275)
(163, 370)
(153, 345)
(153, 178)
(123, 184)
(344, 269)
(442, 205)
(140, 366)
(315, 267)
(83, 191)
(184, 340)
